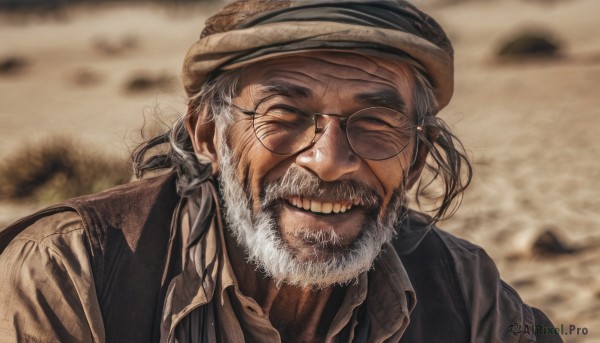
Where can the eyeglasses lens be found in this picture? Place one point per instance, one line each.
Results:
(284, 131)
(373, 133)
(378, 133)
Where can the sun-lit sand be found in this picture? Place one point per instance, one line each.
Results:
(530, 128)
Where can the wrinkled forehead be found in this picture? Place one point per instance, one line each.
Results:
(330, 72)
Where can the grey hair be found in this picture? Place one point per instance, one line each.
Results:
(447, 163)
(214, 97)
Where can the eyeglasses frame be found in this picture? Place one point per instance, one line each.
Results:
(343, 119)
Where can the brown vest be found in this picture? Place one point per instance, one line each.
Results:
(128, 229)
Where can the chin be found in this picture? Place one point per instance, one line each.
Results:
(314, 257)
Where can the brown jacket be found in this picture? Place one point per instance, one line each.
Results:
(121, 240)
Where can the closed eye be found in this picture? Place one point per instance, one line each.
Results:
(283, 110)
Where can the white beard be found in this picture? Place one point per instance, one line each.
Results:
(259, 235)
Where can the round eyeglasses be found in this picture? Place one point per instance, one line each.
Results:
(374, 133)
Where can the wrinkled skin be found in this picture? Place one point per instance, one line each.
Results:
(331, 82)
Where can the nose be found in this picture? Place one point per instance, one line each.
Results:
(330, 157)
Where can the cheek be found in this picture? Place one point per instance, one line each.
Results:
(391, 174)
(243, 144)
(253, 161)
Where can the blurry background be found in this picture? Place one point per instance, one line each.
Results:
(79, 80)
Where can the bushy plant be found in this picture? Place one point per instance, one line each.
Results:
(58, 168)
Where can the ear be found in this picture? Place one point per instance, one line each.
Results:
(418, 165)
(204, 139)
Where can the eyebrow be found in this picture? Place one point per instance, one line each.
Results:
(382, 98)
(285, 89)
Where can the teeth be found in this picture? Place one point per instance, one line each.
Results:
(320, 207)
(306, 204)
(315, 206)
(336, 208)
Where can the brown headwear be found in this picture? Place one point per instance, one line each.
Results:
(248, 31)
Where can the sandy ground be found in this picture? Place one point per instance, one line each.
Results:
(530, 128)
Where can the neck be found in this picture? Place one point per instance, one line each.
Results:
(299, 314)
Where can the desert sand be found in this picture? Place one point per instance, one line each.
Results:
(530, 127)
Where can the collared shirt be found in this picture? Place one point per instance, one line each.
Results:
(381, 298)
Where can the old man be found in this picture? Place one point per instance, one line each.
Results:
(282, 215)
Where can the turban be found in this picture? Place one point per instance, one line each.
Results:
(248, 31)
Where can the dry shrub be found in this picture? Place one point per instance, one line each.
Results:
(12, 65)
(116, 46)
(143, 82)
(530, 44)
(85, 77)
(58, 168)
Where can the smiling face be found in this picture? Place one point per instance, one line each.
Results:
(319, 215)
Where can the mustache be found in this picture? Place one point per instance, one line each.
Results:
(302, 183)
